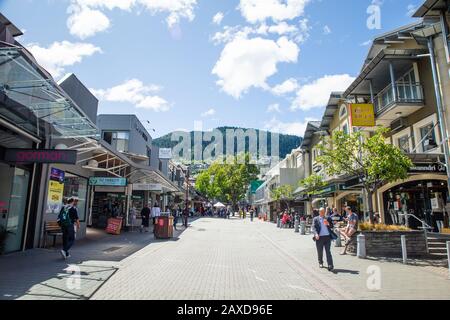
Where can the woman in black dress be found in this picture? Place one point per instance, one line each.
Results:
(145, 214)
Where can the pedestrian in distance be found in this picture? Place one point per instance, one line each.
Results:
(69, 222)
(323, 235)
(252, 214)
(175, 214)
(145, 215)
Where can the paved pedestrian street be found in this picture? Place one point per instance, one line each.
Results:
(236, 259)
(213, 259)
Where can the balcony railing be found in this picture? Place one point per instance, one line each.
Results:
(406, 93)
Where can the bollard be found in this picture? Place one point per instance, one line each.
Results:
(278, 222)
(296, 226)
(302, 228)
(404, 252)
(448, 258)
(338, 240)
(361, 246)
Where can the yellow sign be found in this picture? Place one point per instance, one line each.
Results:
(362, 115)
(55, 196)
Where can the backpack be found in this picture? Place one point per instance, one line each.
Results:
(64, 217)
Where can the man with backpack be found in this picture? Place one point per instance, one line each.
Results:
(67, 220)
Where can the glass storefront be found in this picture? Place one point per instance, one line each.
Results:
(107, 205)
(76, 186)
(13, 204)
(423, 199)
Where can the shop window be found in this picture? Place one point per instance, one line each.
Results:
(75, 186)
(428, 137)
(403, 144)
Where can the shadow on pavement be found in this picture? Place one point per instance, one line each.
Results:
(43, 274)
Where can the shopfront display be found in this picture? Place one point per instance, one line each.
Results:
(107, 205)
(424, 199)
(76, 186)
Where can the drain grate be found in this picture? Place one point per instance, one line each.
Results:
(112, 249)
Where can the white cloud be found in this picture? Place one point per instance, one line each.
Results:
(60, 55)
(288, 86)
(208, 113)
(135, 92)
(274, 108)
(218, 17)
(85, 22)
(366, 43)
(292, 128)
(278, 10)
(246, 63)
(326, 30)
(317, 93)
(283, 28)
(87, 18)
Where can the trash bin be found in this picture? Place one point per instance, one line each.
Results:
(164, 227)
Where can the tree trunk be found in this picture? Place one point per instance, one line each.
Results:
(370, 204)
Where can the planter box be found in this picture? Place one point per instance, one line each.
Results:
(388, 243)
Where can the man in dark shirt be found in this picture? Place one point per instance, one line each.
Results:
(68, 229)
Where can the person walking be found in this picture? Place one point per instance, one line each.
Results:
(185, 217)
(323, 234)
(175, 214)
(145, 215)
(68, 220)
(252, 214)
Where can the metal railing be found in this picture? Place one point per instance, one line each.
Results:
(405, 93)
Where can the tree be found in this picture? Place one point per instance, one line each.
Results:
(372, 160)
(228, 181)
(283, 194)
(312, 184)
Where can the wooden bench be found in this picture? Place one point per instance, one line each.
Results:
(51, 228)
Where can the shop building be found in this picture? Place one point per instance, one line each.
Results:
(35, 111)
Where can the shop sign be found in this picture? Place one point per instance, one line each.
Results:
(57, 175)
(55, 191)
(427, 167)
(165, 153)
(362, 115)
(106, 181)
(147, 187)
(40, 156)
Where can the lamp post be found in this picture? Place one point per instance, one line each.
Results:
(186, 217)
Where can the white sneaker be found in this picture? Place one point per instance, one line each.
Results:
(63, 254)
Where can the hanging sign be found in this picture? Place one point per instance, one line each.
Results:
(362, 115)
(106, 181)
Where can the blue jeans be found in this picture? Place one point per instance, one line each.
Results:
(68, 238)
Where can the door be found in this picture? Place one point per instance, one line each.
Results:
(13, 201)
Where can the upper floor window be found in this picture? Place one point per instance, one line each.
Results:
(119, 140)
(403, 143)
(343, 111)
(428, 137)
(345, 129)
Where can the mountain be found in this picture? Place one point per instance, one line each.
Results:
(287, 142)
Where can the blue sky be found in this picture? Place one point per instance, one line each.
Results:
(266, 64)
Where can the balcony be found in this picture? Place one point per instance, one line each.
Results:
(408, 99)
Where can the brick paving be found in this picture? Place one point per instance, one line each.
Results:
(213, 259)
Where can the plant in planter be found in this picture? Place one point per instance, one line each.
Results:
(3, 235)
(366, 226)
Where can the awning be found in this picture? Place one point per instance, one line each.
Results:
(32, 100)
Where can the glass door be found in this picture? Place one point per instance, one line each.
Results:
(13, 201)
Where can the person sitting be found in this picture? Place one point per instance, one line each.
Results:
(350, 229)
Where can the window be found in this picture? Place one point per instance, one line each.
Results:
(345, 129)
(75, 186)
(117, 139)
(403, 144)
(428, 136)
(343, 111)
